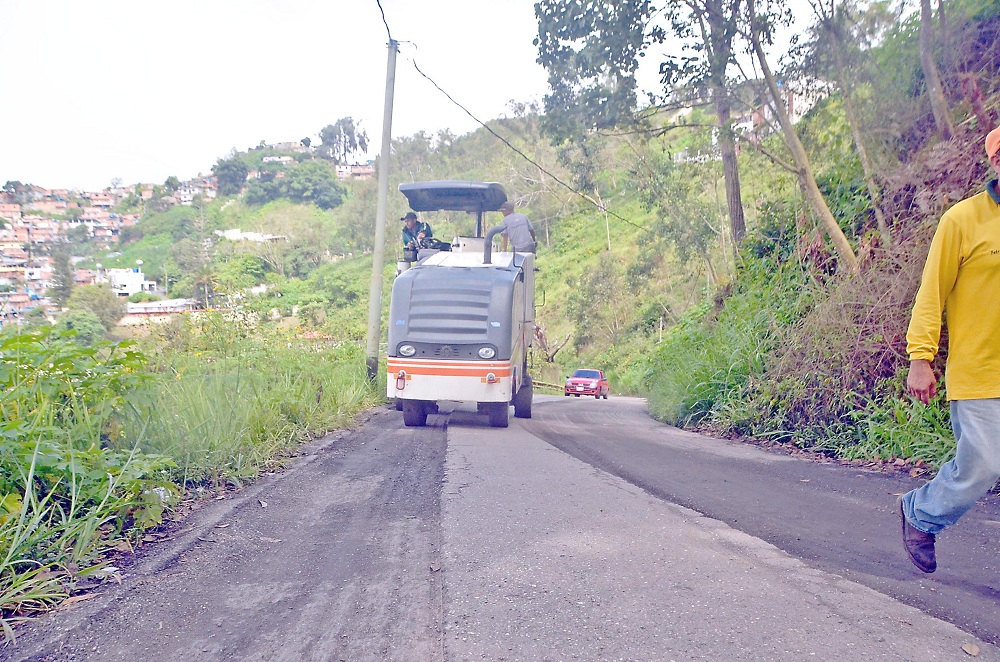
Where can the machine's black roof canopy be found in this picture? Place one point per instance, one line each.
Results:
(472, 197)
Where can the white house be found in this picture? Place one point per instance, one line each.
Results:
(126, 282)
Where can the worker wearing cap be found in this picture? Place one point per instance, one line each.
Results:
(517, 229)
(414, 230)
(961, 277)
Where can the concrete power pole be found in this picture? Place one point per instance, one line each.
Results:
(378, 258)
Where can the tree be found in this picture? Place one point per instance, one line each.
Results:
(62, 277)
(302, 234)
(310, 182)
(315, 182)
(16, 190)
(688, 222)
(759, 28)
(307, 141)
(172, 184)
(99, 300)
(935, 90)
(341, 140)
(88, 327)
(592, 51)
(835, 52)
(78, 234)
(230, 174)
(241, 273)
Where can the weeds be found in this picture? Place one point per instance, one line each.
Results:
(101, 442)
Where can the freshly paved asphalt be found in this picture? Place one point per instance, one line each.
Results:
(834, 518)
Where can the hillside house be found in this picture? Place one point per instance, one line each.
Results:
(126, 282)
(102, 199)
(54, 207)
(38, 278)
(10, 211)
(356, 171)
(14, 305)
(84, 276)
(155, 311)
(295, 146)
(100, 214)
(11, 275)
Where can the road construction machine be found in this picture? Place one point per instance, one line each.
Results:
(462, 315)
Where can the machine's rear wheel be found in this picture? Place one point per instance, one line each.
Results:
(414, 413)
(499, 414)
(522, 399)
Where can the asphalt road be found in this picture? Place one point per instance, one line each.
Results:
(589, 532)
(834, 518)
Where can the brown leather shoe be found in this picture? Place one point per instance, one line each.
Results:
(918, 544)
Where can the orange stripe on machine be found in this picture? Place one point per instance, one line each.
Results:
(447, 368)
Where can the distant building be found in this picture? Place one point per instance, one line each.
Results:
(356, 171)
(126, 282)
(10, 211)
(295, 146)
(156, 311)
(238, 235)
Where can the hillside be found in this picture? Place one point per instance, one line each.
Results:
(637, 272)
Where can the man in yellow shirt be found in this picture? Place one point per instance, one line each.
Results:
(961, 276)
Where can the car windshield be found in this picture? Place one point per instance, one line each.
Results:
(589, 374)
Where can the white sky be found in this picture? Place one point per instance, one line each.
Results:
(143, 90)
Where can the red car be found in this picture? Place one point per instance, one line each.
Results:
(587, 382)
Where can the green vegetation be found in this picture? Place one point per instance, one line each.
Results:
(103, 441)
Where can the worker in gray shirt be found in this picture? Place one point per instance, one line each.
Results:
(517, 229)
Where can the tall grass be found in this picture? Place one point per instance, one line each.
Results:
(223, 419)
(707, 363)
(785, 358)
(101, 442)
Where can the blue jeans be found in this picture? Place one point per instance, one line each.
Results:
(960, 482)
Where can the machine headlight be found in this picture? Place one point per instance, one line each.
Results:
(407, 350)
(487, 352)
(594, 383)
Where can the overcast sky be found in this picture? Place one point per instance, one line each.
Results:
(141, 91)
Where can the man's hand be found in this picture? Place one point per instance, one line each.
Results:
(921, 382)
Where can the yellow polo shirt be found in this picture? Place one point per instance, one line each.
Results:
(962, 278)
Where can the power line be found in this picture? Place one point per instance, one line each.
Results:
(379, 3)
(586, 197)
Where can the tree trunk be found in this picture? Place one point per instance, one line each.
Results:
(859, 143)
(721, 20)
(803, 169)
(935, 90)
(730, 168)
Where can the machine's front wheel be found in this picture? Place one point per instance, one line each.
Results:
(414, 413)
(499, 415)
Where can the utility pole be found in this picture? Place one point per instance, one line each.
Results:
(378, 257)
